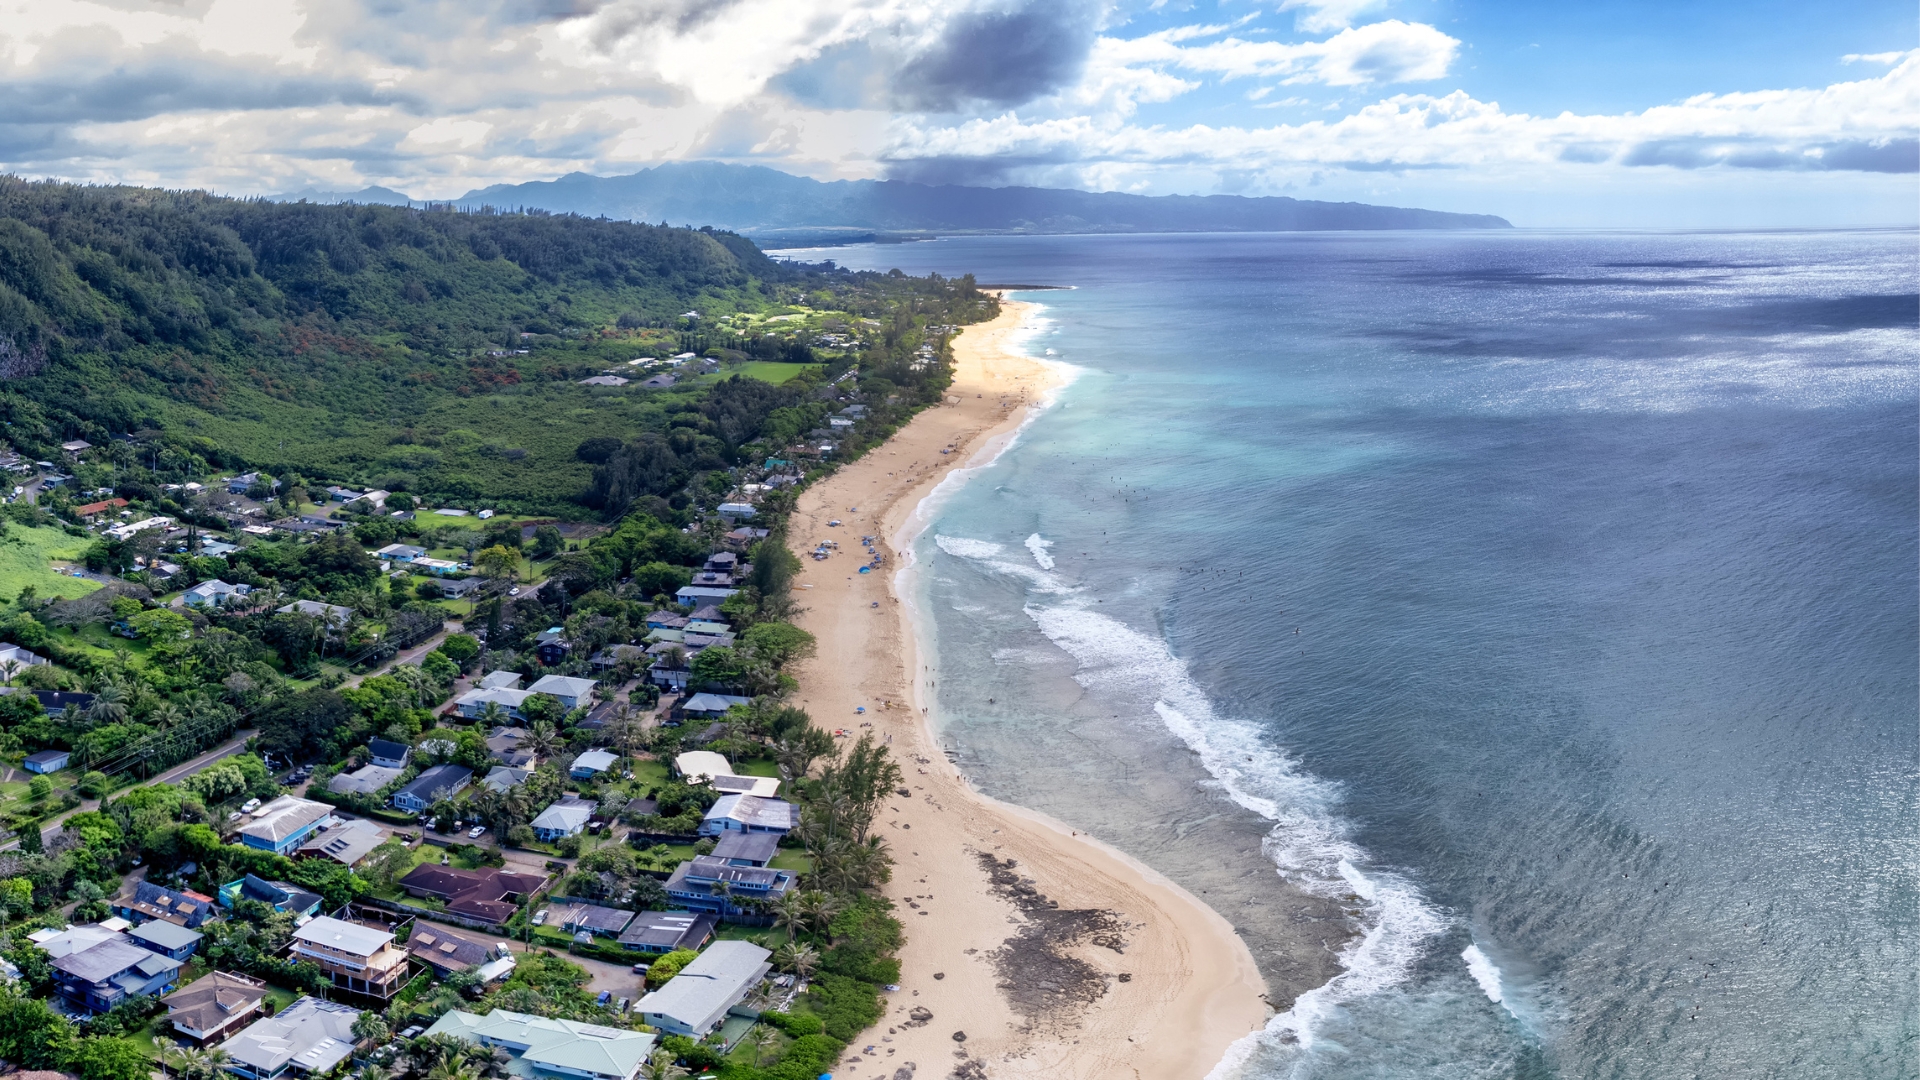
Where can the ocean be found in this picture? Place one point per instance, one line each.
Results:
(1512, 634)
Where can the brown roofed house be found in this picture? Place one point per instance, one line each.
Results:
(444, 952)
(212, 1007)
(489, 893)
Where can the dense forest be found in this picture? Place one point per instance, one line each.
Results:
(428, 351)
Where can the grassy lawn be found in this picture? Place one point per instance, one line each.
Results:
(766, 937)
(792, 859)
(94, 636)
(648, 775)
(756, 767)
(767, 371)
(26, 558)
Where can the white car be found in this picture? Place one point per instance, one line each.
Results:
(540, 917)
(250, 806)
(475, 832)
(515, 591)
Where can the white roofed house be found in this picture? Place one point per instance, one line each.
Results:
(473, 703)
(590, 764)
(749, 813)
(307, 1038)
(541, 1047)
(357, 958)
(283, 824)
(568, 817)
(695, 1001)
(215, 594)
(569, 691)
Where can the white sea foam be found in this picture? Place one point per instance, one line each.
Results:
(968, 549)
(1484, 972)
(1039, 548)
(1308, 842)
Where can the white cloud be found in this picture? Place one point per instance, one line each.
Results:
(1868, 125)
(1382, 52)
(1320, 16)
(1873, 58)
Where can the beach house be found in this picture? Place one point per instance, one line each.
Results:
(695, 1001)
(749, 813)
(542, 1047)
(706, 883)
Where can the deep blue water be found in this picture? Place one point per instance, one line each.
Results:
(1549, 597)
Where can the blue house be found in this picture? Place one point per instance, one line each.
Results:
(284, 824)
(116, 969)
(173, 942)
(47, 761)
(278, 895)
(439, 782)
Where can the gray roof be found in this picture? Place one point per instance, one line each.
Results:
(310, 1034)
(557, 1045)
(440, 776)
(344, 936)
(754, 811)
(165, 934)
(366, 780)
(505, 778)
(347, 843)
(758, 847)
(597, 760)
(447, 951)
(668, 930)
(705, 989)
(387, 748)
(283, 817)
(494, 680)
(110, 958)
(594, 917)
(564, 815)
(563, 686)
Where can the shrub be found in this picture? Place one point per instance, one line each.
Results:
(669, 965)
(94, 784)
(520, 835)
(806, 1058)
(845, 1006)
(39, 787)
(568, 846)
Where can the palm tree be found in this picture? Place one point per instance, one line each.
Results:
(763, 1039)
(661, 1067)
(492, 715)
(789, 912)
(371, 1027)
(541, 738)
(8, 669)
(109, 704)
(165, 715)
(802, 960)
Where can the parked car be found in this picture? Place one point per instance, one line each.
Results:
(540, 917)
(250, 806)
(641, 969)
(475, 832)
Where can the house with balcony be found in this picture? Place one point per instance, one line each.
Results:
(749, 813)
(696, 886)
(97, 978)
(214, 1006)
(357, 958)
(698, 999)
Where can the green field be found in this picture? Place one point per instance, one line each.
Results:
(767, 371)
(26, 557)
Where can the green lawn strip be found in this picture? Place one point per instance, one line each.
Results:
(27, 556)
(767, 371)
(792, 859)
(756, 767)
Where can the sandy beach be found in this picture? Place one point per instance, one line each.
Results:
(1032, 950)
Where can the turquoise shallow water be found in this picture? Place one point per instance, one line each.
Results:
(1518, 630)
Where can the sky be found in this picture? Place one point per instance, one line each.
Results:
(1601, 113)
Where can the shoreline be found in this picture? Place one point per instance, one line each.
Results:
(1072, 959)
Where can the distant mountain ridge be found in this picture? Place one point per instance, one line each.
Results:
(761, 201)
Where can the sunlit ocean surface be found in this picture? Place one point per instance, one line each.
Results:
(1546, 601)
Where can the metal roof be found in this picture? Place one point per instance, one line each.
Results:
(559, 1045)
(311, 1034)
(283, 817)
(448, 777)
(705, 989)
(325, 930)
(563, 686)
(106, 959)
(165, 934)
(564, 815)
(754, 811)
(757, 847)
(597, 760)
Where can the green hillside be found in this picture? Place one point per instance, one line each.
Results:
(383, 345)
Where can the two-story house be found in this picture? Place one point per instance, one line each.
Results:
(357, 958)
(98, 978)
(283, 824)
(695, 885)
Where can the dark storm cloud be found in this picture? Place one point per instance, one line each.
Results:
(140, 90)
(1006, 57)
